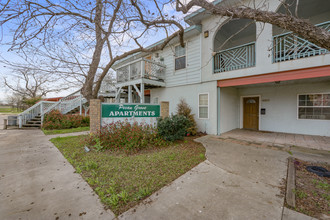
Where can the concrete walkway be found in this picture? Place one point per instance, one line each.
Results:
(279, 139)
(37, 182)
(236, 182)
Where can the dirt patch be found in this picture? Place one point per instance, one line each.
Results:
(312, 191)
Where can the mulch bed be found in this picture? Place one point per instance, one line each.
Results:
(312, 191)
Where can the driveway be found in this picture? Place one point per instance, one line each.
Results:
(236, 182)
(37, 182)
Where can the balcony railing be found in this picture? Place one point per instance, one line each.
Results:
(289, 46)
(235, 58)
(142, 68)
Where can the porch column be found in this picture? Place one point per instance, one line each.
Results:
(142, 93)
(129, 94)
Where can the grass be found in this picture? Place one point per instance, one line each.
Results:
(121, 180)
(9, 110)
(65, 131)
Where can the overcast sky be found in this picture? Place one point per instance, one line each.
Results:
(5, 71)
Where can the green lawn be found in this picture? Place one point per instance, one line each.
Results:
(121, 180)
(9, 110)
(64, 131)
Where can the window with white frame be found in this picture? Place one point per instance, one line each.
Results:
(156, 100)
(314, 106)
(180, 57)
(203, 105)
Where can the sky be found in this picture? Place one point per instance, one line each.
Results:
(5, 71)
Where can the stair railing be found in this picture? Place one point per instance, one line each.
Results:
(33, 111)
(64, 105)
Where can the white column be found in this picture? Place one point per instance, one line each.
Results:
(142, 68)
(80, 104)
(142, 93)
(264, 44)
(129, 94)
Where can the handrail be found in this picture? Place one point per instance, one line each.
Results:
(233, 48)
(291, 46)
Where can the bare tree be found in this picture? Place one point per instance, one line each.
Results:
(83, 39)
(29, 83)
(288, 21)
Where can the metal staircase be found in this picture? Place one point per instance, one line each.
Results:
(33, 116)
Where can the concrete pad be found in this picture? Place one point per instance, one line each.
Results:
(209, 192)
(289, 214)
(236, 182)
(36, 181)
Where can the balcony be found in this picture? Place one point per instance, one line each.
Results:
(141, 69)
(235, 58)
(289, 46)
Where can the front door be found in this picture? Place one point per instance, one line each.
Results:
(251, 113)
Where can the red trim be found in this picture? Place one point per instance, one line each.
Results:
(146, 92)
(56, 99)
(278, 76)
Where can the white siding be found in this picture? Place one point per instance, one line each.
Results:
(189, 75)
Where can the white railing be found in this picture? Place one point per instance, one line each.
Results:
(64, 105)
(34, 111)
(141, 68)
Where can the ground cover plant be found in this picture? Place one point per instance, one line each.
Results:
(122, 180)
(65, 131)
(312, 191)
(56, 120)
(123, 136)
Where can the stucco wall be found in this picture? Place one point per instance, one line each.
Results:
(229, 109)
(280, 102)
(190, 94)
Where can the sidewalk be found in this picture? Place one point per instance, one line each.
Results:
(37, 182)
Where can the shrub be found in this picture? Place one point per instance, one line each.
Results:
(56, 120)
(123, 136)
(184, 109)
(173, 128)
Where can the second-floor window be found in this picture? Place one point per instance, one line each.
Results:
(180, 57)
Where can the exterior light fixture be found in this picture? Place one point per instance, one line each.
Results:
(206, 34)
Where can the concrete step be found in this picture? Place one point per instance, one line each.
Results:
(36, 119)
(32, 125)
(34, 122)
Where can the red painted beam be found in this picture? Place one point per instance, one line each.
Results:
(278, 76)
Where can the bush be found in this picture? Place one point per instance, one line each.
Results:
(123, 136)
(173, 128)
(184, 109)
(56, 120)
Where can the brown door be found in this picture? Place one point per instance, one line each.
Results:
(251, 113)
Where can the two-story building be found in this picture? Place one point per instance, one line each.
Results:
(238, 73)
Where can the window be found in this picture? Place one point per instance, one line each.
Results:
(180, 57)
(203, 106)
(314, 106)
(156, 100)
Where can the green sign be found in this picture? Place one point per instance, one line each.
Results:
(130, 110)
